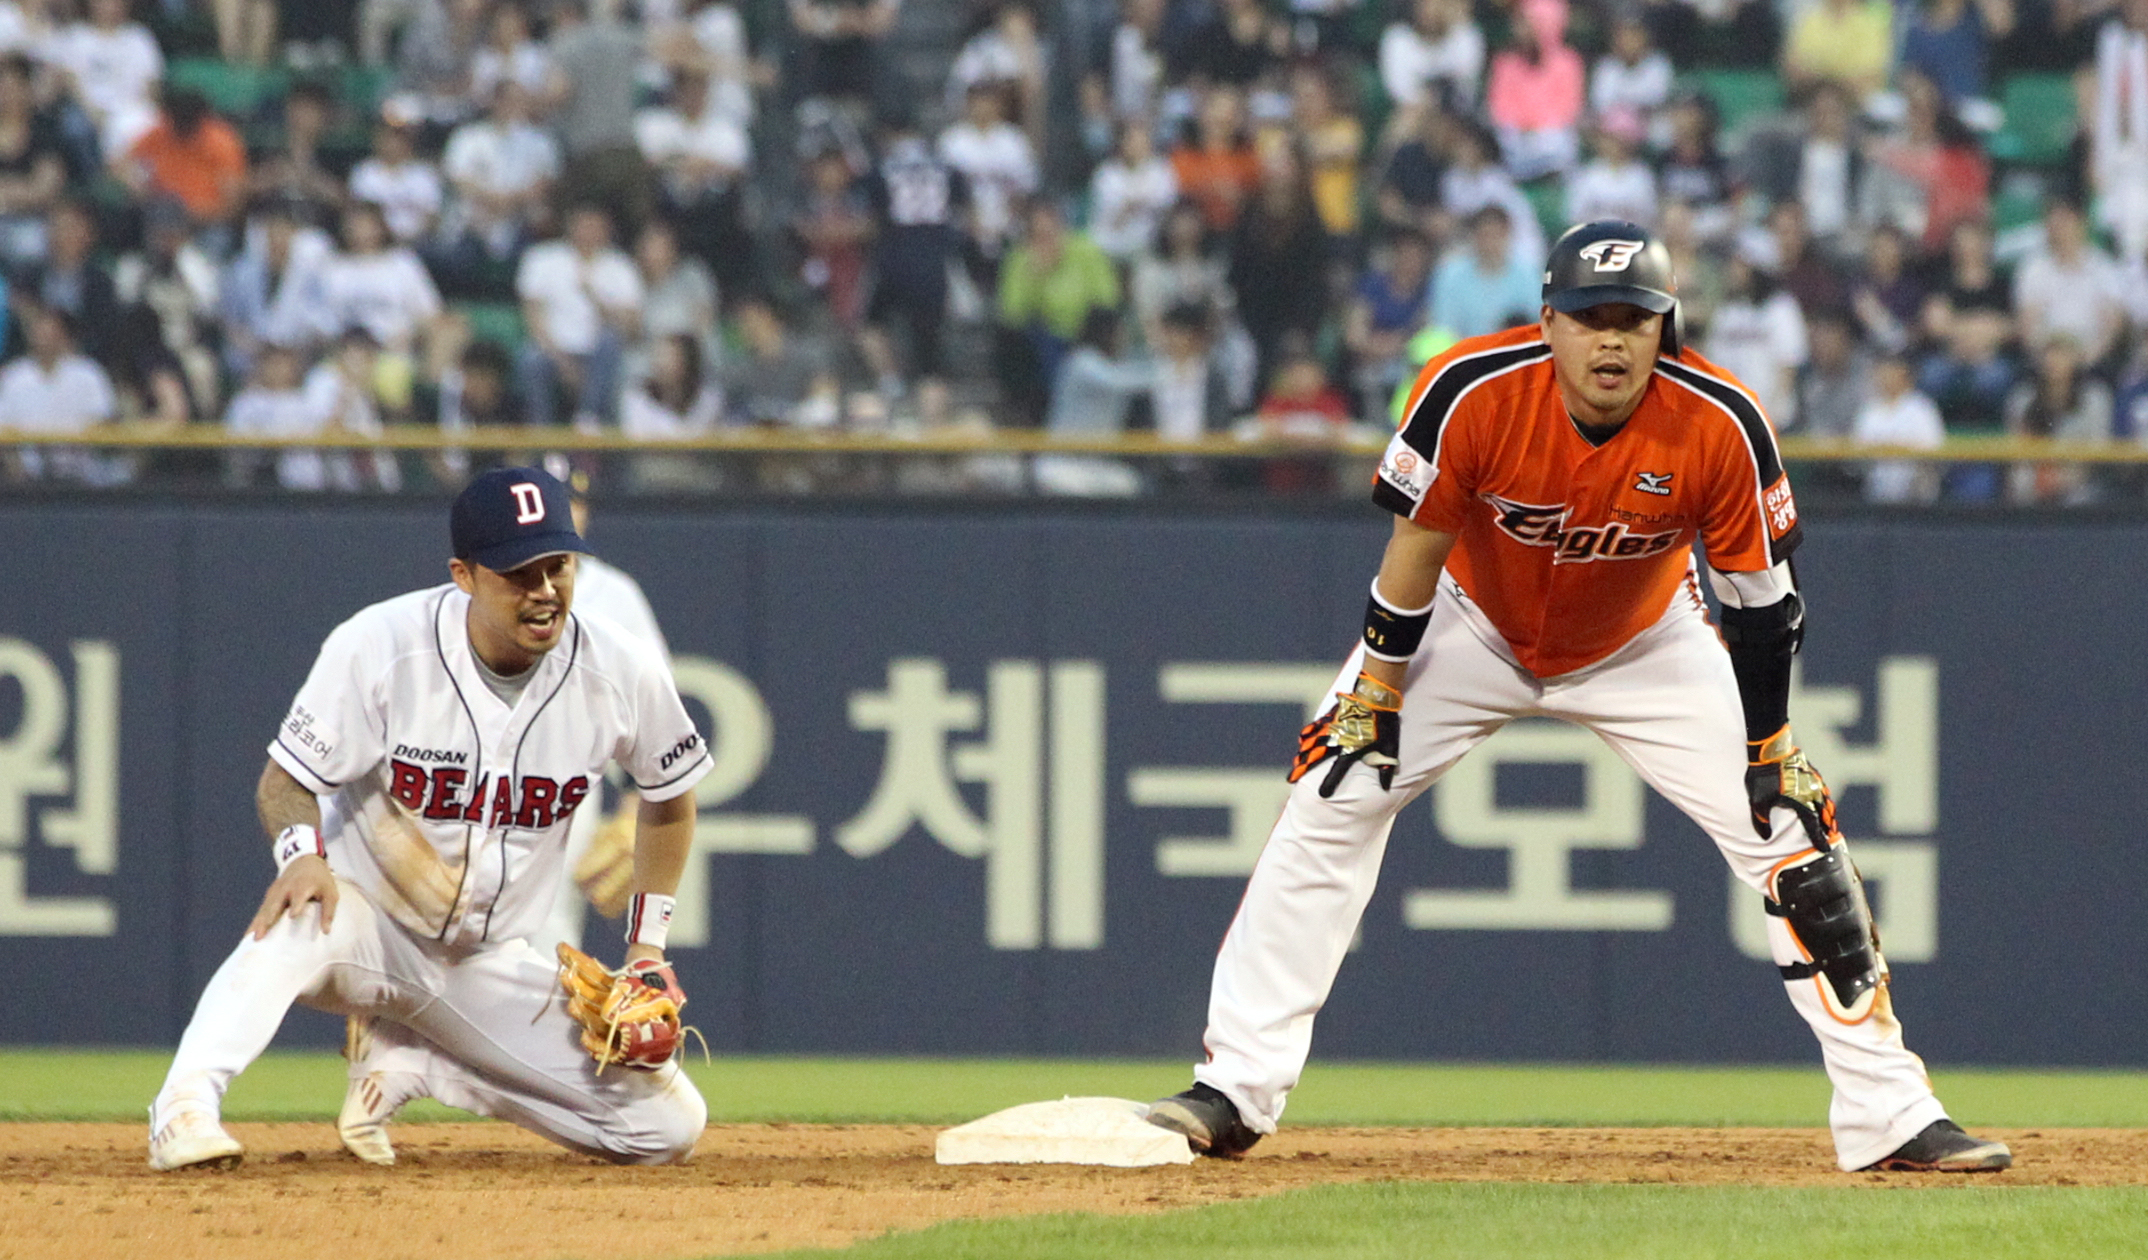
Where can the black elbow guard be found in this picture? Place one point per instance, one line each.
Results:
(1761, 643)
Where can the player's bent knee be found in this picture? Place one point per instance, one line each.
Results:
(662, 1128)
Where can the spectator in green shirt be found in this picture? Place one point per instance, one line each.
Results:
(1047, 287)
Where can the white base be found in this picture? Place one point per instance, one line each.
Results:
(1113, 1132)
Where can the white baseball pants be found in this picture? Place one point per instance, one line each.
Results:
(1668, 704)
(486, 1031)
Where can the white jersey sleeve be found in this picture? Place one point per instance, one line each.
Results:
(336, 730)
(662, 753)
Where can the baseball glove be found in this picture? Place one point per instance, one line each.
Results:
(629, 1017)
(607, 867)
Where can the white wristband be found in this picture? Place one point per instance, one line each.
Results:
(648, 920)
(295, 842)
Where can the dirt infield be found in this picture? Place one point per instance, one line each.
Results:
(82, 1191)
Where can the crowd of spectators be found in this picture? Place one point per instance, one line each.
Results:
(664, 217)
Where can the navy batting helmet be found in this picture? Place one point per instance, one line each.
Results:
(1610, 260)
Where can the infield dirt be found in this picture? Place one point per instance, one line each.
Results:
(83, 1191)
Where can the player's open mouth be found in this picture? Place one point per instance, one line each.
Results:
(543, 622)
(1608, 374)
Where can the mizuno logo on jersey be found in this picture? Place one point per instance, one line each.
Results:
(532, 802)
(1653, 483)
(1541, 526)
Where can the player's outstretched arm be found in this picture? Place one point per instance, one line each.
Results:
(1409, 577)
(292, 817)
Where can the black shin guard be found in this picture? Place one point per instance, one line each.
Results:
(1823, 902)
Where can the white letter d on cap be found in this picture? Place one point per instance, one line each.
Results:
(529, 502)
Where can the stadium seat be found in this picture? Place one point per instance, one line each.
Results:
(2040, 122)
(1741, 96)
(499, 322)
(237, 91)
(1548, 198)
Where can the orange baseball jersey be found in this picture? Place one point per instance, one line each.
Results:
(1573, 548)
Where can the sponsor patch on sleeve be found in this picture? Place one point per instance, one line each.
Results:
(1404, 469)
(1780, 506)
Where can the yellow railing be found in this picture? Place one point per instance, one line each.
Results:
(956, 440)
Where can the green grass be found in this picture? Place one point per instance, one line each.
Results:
(1535, 1222)
(73, 1084)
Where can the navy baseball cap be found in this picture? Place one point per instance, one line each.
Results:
(510, 516)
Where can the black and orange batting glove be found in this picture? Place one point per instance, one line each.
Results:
(1777, 773)
(1365, 725)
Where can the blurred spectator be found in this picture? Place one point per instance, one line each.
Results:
(1438, 51)
(1535, 94)
(53, 389)
(1387, 308)
(298, 170)
(838, 50)
(1050, 283)
(711, 38)
(2068, 288)
(681, 298)
(191, 155)
(1693, 170)
(32, 170)
(433, 57)
(111, 67)
(675, 397)
(1697, 266)
(1746, 34)
(1411, 187)
(1931, 176)
(1969, 286)
(2129, 411)
(406, 187)
(270, 404)
(835, 229)
(172, 278)
(1632, 74)
(1093, 135)
(777, 380)
(271, 294)
(340, 398)
(2062, 401)
(1834, 381)
(1178, 268)
(1130, 193)
(581, 304)
(2118, 128)
(1826, 173)
(509, 52)
(1841, 41)
(476, 391)
(1800, 266)
(700, 155)
(1898, 415)
(1886, 297)
(596, 62)
(1485, 285)
(1134, 64)
(1279, 260)
(1334, 142)
(1758, 335)
(1192, 397)
(1970, 377)
(1217, 166)
(994, 158)
(502, 168)
(1475, 180)
(919, 201)
(1949, 42)
(245, 30)
(1236, 45)
(380, 287)
(1615, 183)
(1301, 406)
(1090, 400)
(1006, 55)
(72, 281)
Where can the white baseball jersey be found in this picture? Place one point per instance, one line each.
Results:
(449, 808)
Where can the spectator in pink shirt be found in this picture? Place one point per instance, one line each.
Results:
(1536, 93)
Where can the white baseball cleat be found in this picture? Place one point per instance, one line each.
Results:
(190, 1137)
(363, 1122)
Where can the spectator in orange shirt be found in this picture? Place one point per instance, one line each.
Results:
(191, 155)
(1217, 168)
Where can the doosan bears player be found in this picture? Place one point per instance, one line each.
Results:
(1548, 483)
(420, 793)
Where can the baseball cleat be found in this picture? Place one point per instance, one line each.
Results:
(1943, 1147)
(1208, 1120)
(190, 1137)
(363, 1122)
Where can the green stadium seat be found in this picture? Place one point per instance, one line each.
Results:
(499, 322)
(237, 91)
(1740, 96)
(2040, 122)
(1548, 198)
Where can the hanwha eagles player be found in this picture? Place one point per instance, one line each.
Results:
(419, 794)
(1548, 483)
